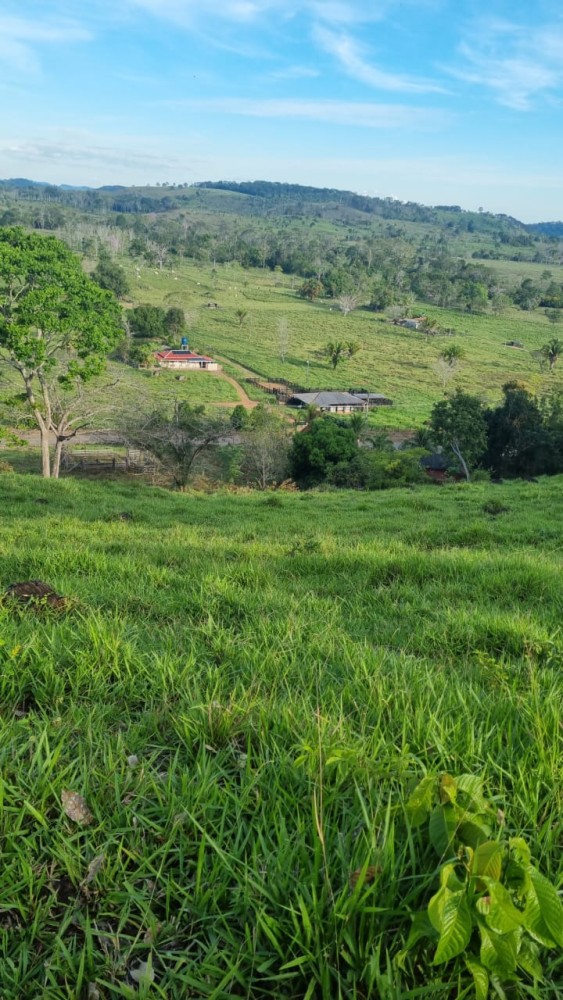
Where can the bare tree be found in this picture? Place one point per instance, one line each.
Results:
(347, 303)
(445, 371)
(265, 460)
(177, 440)
(283, 337)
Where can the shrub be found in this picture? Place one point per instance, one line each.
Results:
(493, 910)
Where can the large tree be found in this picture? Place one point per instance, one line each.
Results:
(315, 451)
(458, 426)
(56, 328)
(519, 441)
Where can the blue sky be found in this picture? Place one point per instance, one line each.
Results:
(436, 101)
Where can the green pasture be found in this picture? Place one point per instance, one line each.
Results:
(397, 362)
(244, 691)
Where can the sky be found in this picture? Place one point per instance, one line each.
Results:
(435, 101)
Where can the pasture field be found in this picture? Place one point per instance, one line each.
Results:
(244, 692)
(397, 362)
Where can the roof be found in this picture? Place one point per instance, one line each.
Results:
(438, 462)
(328, 399)
(181, 356)
(370, 395)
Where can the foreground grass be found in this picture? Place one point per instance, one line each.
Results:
(244, 693)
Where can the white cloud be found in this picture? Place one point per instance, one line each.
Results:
(335, 12)
(84, 151)
(20, 37)
(349, 54)
(295, 73)
(363, 114)
(520, 64)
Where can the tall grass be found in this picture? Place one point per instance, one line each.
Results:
(244, 695)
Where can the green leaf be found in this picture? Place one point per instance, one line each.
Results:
(448, 789)
(472, 786)
(501, 916)
(473, 830)
(549, 903)
(498, 951)
(487, 859)
(419, 803)
(436, 907)
(421, 927)
(442, 828)
(449, 877)
(528, 959)
(456, 928)
(520, 849)
(480, 978)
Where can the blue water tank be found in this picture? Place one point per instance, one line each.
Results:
(184, 343)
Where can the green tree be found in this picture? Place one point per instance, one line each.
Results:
(175, 321)
(552, 351)
(147, 321)
(109, 275)
(142, 354)
(310, 289)
(452, 354)
(57, 327)
(239, 418)
(241, 315)
(337, 351)
(518, 442)
(317, 449)
(458, 425)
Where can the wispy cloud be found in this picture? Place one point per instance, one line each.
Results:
(366, 115)
(350, 55)
(19, 39)
(295, 73)
(335, 12)
(84, 152)
(520, 64)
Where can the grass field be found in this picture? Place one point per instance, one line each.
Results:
(397, 362)
(244, 693)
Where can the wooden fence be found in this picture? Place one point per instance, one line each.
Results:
(133, 462)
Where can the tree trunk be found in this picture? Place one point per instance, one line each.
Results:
(57, 458)
(464, 466)
(45, 455)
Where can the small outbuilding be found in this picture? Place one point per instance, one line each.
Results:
(185, 361)
(438, 468)
(329, 402)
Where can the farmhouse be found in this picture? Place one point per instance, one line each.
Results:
(330, 402)
(185, 361)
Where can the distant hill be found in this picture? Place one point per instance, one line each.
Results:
(281, 197)
(386, 208)
(553, 229)
(275, 198)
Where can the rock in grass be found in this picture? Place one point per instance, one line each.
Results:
(35, 594)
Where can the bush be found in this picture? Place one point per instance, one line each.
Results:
(379, 470)
(314, 452)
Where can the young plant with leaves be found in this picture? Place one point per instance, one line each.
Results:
(494, 910)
